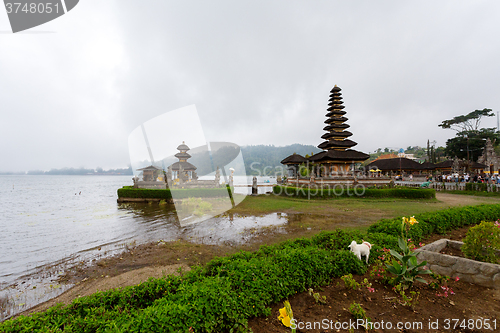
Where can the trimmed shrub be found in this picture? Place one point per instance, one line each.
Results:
(354, 191)
(483, 242)
(440, 221)
(144, 193)
(476, 187)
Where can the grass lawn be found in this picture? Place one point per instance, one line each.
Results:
(390, 207)
(477, 193)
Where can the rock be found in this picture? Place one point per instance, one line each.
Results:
(489, 269)
(467, 266)
(496, 281)
(446, 260)
(482, 280)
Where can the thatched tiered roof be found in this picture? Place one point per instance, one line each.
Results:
(294, 159)
(399, 163)
(335, 121)
(337, 145)
(183, 156)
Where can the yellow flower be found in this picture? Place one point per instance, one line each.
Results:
(284, 317)
(412, 220)
(286, 321)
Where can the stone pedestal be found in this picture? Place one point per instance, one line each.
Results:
(255, 190)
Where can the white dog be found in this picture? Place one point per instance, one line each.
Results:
(362, 249)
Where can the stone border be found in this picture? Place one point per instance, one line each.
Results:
(477, 272)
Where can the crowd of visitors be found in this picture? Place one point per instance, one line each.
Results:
(476, 178)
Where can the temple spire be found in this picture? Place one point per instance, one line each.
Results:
(337, 135)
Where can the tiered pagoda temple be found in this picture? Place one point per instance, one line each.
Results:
(337, 160)
(183, 170)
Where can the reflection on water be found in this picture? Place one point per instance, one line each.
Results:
(160, 222)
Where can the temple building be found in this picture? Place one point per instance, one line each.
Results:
(337, 158)
(396, 166)
(293, 163)
(337, 162)
(459, 166)
(151, 173)
(183, 170)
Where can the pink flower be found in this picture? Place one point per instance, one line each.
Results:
(457, 278)
(372, 290)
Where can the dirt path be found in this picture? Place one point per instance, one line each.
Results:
(464, 200)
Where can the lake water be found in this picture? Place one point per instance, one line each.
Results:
(48, 222)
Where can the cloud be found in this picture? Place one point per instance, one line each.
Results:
(258, 72)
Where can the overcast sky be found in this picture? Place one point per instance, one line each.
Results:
(259, 72)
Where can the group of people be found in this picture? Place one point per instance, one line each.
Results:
(476, 178)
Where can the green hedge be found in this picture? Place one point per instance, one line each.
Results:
(143, 193)
(440, 221)
(359, 191)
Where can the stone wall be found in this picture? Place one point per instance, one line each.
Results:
(151, 185)
(481, 273)
(351, 181)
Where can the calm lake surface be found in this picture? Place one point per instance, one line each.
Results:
(53, 221)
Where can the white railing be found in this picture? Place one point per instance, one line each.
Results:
(446, 186)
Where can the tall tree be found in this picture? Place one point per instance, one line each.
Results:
(467, 123)
(470, 138)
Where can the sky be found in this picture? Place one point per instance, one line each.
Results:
(259, 72)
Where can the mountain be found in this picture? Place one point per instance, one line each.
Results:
(82, 171)
(265, 160)
(259, 160)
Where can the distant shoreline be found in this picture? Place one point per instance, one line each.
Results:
(64, 174)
